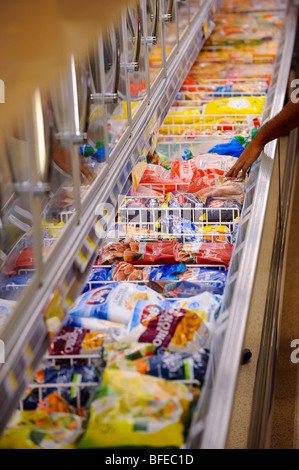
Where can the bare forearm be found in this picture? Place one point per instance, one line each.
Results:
(281, 124)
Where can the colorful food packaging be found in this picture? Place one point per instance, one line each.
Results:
(146, 359)
(203, 179)
(153, 252)
(184, 170)
(232, 188)
(206, 253)
(113, 302)
(222, 210)
(63, 374)
(159, 179)
(182, 229)
(74, 341)
(182, 325)
(122, 271)
(136, 410)
(40, 429)
(175, 366)
(26, 259)
(196, 281)
(97, 275)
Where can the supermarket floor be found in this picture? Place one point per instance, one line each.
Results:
(285, 413)
(285, 421)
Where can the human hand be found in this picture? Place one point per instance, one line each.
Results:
(62, 158)
(247, 157)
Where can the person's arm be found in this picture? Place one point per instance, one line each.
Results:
(62, 158)
(285, 121)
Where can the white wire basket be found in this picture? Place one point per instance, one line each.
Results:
(191, 121)
(202, 92)
(158, 222)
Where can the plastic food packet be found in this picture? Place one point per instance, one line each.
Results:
(26, 258)
(40, 429)
(74, 341)
(122, 271)
(135, 410)
(182, 325)
(145, 191)
(222, 210)
(111, 252)
(136, 210)
(174, 328)
(190, 207)
(234, 148)
(195, 281)
(114, 302)
(232, 188)
(203, 179)
(54, 403)
(152, 252)
(15, 283)
(63, 374)
(6, 307)
(206, 253)
(143, 358)
(97, 275)
(165, 252)
(175, 366)
(184, 170)
(183, 229)
(160, 179)
(107, 330)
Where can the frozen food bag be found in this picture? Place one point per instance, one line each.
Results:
(153, 252)
(146, 359)
(40, 429)
(224, 187)
(175, 366)
(96, 275)
(184, 170)
(63, 374)
(207, 253)
(236, 105)
(222, 210)
(74, 341)
(113, 302)
(182, 325)
(202, 280)
(136, 410)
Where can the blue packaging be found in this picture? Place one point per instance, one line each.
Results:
(167, 272)
(96, 276)
(179, 366)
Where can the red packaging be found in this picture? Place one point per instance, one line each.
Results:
(206, 253)
(159, 179)
(162, 252)
(203, 179)
(26, 259)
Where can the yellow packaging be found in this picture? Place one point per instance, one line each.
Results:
(237, 105)
(135, 410)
